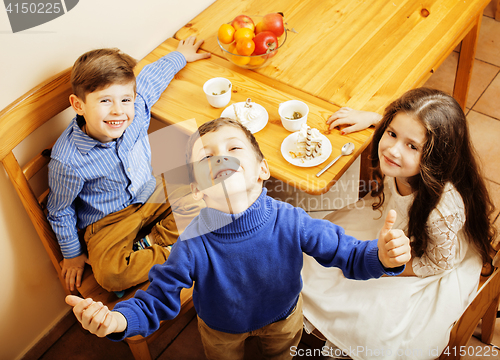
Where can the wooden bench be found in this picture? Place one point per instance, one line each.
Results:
(19, 120)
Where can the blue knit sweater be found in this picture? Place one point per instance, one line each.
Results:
(245, 267)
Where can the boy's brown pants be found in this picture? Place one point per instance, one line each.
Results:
(277, 339)
(109, 241)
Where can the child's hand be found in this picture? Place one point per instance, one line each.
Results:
(189, 48)
(393, 245)
(96, 317)
(72, 271)
(359, 120)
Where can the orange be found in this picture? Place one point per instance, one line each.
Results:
(226, 33)
(256, 60)
(240, 60)
(232, 48)
(259, 27)
(245, 46)
(243, 33)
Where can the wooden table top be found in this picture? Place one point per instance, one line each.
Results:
(184, 99)
(361, 54)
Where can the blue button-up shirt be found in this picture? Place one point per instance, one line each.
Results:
(89, 179)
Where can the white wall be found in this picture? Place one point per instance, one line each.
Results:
(32, 300)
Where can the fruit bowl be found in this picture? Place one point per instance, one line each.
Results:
(250, 61)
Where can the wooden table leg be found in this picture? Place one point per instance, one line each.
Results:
(465, 64)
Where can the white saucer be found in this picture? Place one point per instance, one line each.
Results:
(253, 126)
(289, 144)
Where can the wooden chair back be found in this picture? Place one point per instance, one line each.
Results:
(483, 308)
(19, 120)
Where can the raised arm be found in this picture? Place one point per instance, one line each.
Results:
(362, 260)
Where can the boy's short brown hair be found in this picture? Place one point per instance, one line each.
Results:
(97, 69)
(212, 126)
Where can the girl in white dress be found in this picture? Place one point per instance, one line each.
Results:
(424, 164)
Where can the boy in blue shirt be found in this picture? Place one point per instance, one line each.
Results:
(244, 254)
(100, 173)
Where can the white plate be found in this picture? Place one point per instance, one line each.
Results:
(253, 126)
(289, 144)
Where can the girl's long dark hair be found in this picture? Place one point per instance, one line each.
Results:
(447, 156)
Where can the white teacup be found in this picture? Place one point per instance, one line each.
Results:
(218, 91)
(287, 111)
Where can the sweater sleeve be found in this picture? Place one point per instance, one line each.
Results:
(161, 301)
(331, 247)
(443, 227)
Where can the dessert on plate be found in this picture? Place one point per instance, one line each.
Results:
(309, 144)
(251, 115)
(247, 112)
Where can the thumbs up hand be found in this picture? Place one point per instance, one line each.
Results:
(96, 317)
(393, 245)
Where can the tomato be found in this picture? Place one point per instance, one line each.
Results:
(274, 23)
(245, 46)
(243, 33)
(265, 42)
(226, 33)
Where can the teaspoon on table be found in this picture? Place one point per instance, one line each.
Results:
(347, 149)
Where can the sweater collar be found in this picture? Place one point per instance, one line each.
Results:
(226, 225)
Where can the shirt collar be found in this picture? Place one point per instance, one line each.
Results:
(84, 143)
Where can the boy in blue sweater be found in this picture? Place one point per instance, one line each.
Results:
(244, 254)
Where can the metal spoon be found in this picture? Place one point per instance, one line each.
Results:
(347, 149)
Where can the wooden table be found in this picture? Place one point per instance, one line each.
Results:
(361, 54)
(184, 99)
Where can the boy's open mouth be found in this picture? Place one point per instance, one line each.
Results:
(224, 174)
(215, 170)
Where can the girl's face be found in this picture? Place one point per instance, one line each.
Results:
(400, 148)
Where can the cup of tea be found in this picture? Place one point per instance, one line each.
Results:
(293, 114)
(218, 91)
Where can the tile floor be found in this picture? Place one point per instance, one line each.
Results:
(483, 112)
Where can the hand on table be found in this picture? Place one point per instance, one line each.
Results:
(357, 119)
(189, 48)
(393, 245)
(96, 317)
